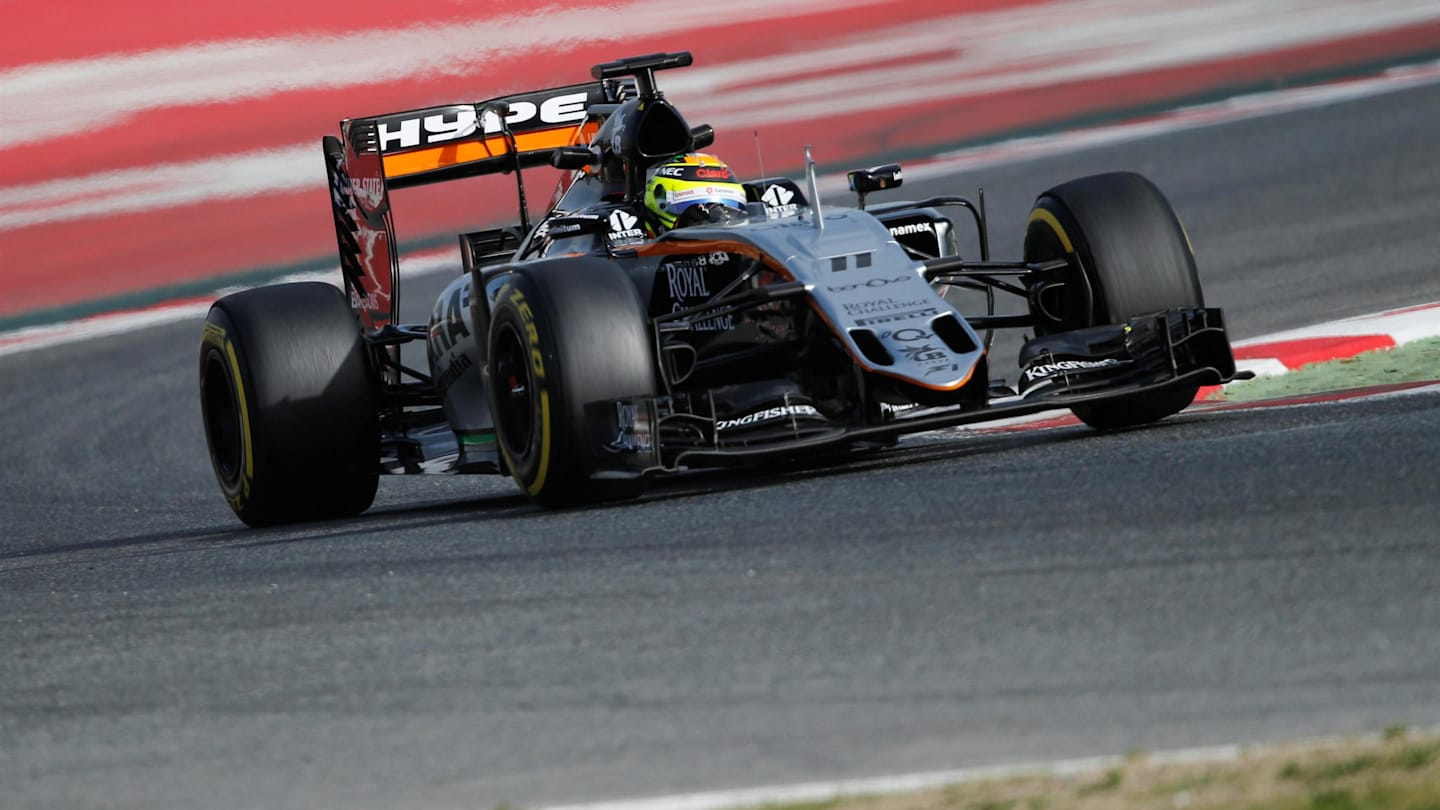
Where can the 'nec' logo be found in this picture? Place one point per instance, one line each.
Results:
(448, 124)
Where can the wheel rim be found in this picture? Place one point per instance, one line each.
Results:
(222, 420)
(514, 387)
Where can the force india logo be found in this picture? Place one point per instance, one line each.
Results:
(767, 415)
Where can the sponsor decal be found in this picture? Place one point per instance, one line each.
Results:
(1044, 370)
(907, 335)
(898, 316)
(874, 282)
(681, 195)
(942, 368)
(913, 228)
(370, 191)
(617, 138)
(780, 201)
(566, 225)
(719, 258)
(634, 434)
(766, 415)
(880, 305)
(892, 410)
(620, 220)
(708, 193)
(688, 286)
(622, 227)
(686, 279)
(439, 125)
(449, 327)
(720, 323)
(671, 171)
(536, 483)
(532, 334)
(458, 366)
(924, 353)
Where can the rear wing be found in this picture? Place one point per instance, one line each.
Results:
(378, 154)
(464, 140)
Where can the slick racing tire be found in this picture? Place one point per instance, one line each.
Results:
(1128, 255)
(289, 404)
(564, 333)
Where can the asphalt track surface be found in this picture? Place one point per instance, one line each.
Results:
(1219, 577)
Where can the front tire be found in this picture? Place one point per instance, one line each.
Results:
(562, 334)
(289, 405)
(1128, 255)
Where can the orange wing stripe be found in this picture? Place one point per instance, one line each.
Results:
(455, 154)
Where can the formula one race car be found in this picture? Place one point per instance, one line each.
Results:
(591, 350)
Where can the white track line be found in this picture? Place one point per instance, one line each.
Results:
(821, 791)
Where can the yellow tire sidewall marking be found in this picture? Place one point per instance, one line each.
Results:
(537, 371)
(1042, 215)
(215, 336)
(249, 473)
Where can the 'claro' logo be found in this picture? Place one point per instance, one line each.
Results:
(874, 282)
(441, 124)
(532, 334)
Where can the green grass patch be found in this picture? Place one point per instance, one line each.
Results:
(1389, 771)
(1110, 781)
(1415, 361)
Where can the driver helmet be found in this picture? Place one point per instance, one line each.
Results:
(693, 189)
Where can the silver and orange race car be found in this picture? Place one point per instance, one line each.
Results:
(587, 351)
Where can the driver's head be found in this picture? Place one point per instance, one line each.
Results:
(693, 189)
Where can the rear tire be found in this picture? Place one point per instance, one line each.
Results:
(564, 333)
(1126, 246)
(289, 404)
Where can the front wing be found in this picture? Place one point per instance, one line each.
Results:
(1174, 349)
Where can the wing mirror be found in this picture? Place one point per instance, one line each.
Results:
(701, 137)
(573, 157)
(875, 178)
